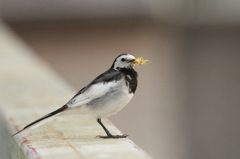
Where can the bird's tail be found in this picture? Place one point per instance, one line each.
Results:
(43, 119)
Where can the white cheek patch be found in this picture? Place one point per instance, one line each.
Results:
(123, 64)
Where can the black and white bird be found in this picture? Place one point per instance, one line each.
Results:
(106, 95)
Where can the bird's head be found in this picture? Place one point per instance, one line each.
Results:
(127, 61)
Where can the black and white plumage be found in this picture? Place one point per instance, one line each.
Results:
(106, 95)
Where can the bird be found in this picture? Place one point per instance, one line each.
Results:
(104, 96)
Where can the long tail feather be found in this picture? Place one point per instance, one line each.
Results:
(43, 119)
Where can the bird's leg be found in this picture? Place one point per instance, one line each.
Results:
(109, 135)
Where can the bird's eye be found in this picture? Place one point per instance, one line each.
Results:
(123, 59)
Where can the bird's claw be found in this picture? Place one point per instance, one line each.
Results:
(112, 136)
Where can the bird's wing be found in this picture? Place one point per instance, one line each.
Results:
(96, 89)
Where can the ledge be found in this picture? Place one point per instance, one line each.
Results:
(29, 90)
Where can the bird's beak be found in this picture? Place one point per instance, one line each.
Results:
(139, 61)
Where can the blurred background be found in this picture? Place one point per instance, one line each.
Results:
(187, 104)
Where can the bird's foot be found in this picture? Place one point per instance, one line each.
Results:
(110, 136)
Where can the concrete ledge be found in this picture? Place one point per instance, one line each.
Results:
(29, 90)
